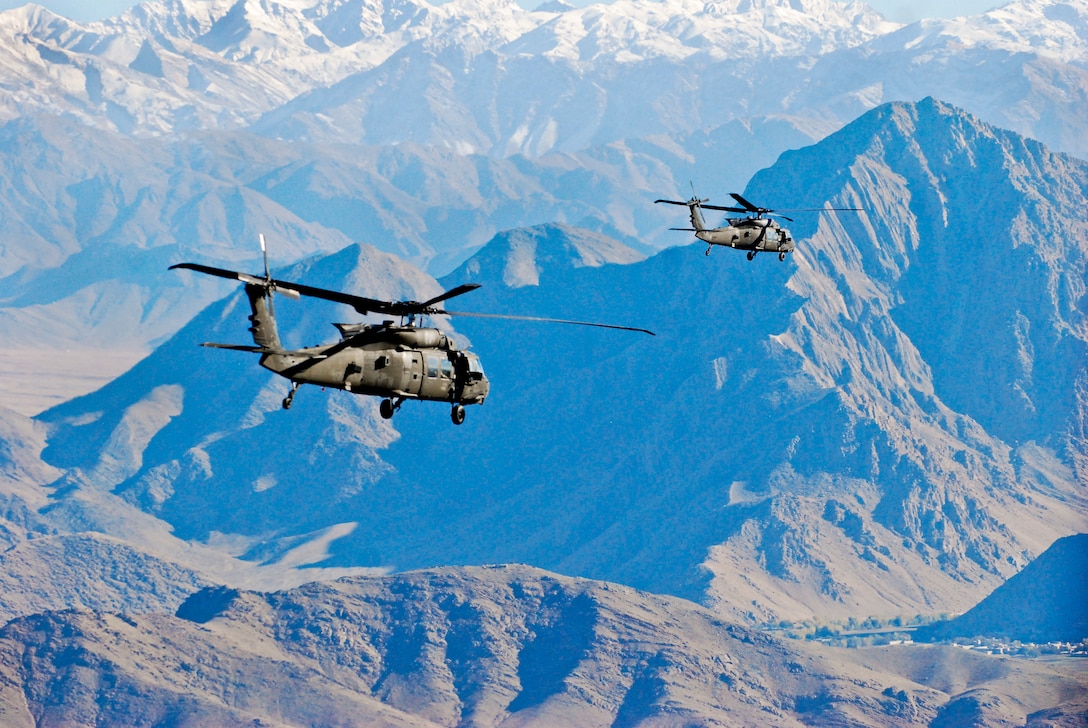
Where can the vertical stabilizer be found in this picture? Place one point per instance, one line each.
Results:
(696, 214)
(262, 320)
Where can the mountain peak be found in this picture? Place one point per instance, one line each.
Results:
(519, 257)
(1054, 29)
(33, 19)
(553, 6)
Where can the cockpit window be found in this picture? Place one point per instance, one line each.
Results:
(447, 369)
(474, 365)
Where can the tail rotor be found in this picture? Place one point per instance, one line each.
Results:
(695, 199)
(264, 252)
(268, 285)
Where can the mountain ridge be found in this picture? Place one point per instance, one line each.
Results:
(483, 644)
(783, 447)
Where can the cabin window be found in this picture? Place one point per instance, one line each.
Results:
(447, 369)
(432, 366)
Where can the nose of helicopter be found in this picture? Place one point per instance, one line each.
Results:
(478, 390)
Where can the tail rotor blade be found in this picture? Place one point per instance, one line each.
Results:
(264, 252)
(695, 197)
(268, 286)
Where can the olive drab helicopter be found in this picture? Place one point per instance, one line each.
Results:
(756, 232)
(397, 362)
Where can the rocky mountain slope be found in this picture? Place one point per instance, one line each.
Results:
(89, 549)
(479, 646)
(799, 438)
(1046, 602)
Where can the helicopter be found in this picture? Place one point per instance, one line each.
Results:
(755, 233)
(394, 361)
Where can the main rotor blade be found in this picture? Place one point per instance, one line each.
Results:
(397, 308)
(744, 203)
(821, 209)
(544, 320)
(694, 201)
(221, 272)
(459, 290)
(727, 209)
(360, 303)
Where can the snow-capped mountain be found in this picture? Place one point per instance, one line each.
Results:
(175, 64)
(491, 77)
(1052, 30)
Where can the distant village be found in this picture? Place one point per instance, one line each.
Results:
(873, 632)
(1015, 648)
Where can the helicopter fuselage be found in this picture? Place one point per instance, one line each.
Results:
(754, 233)
(402, 362)
(396, 363)
(762, 234)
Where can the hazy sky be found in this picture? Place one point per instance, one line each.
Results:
(903, 11)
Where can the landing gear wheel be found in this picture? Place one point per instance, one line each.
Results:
(386, 409)
(751, 254)
(457, 414)
(707, 252)
(290, 398)
(782, 257)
